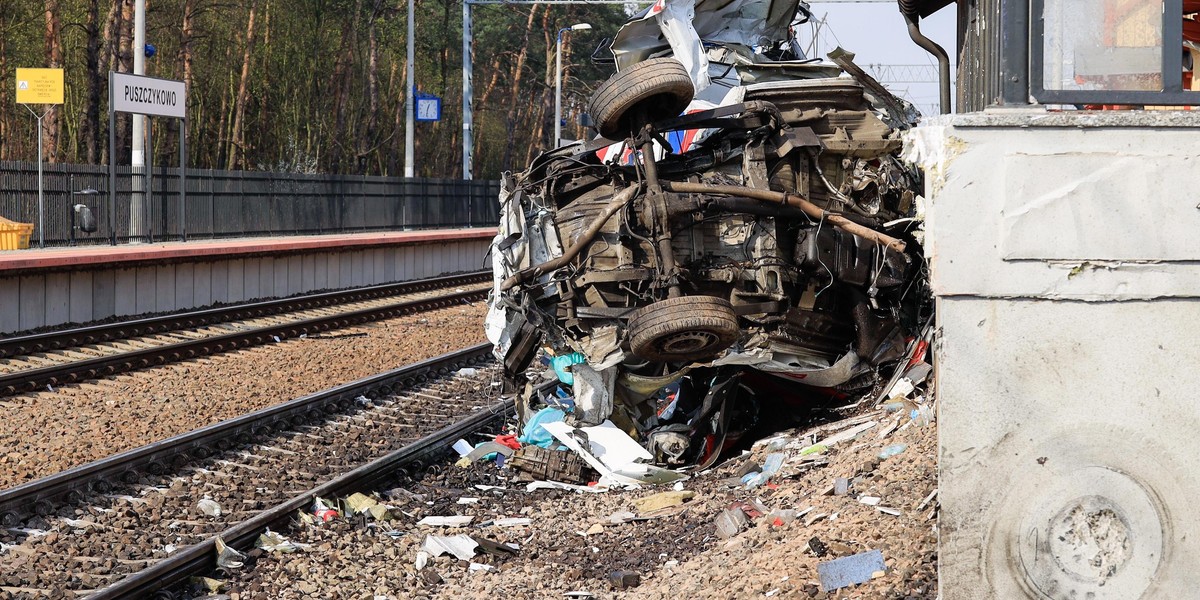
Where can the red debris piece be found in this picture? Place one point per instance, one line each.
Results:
(508, 440)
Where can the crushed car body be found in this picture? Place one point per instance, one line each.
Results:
(743, 212)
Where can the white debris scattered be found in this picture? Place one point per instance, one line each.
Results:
(558, 485)
(209, 507)
(228, 558)
(463, 447)
(612, 453)
(274, 542)
(446, 521)
(79, 524)
(461, 547)
(927, 500)
(511, 522)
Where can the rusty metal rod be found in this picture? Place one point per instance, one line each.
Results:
(618, 202)
(810, 209)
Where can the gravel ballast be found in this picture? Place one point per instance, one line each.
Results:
(571, 545)
(102, 538)
(48, 432)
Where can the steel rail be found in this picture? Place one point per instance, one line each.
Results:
(200, 558)
(93, 334)
(39, 496)
(32, 379)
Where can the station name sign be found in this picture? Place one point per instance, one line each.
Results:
(143, 95)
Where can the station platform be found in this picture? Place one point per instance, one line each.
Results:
(57, 286)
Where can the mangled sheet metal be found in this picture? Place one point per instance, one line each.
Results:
(744, 210)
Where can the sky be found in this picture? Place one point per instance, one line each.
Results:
(877, 34)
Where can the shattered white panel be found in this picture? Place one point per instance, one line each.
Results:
(510, 253)
(593, 392)
(675, 20)
(613, 454)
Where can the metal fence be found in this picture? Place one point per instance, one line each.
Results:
(221, 204)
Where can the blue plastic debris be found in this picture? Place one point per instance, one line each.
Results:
(850, 570)
(537, 435)
(771, 466)
(892, 450)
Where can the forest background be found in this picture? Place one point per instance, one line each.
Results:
(305, 86)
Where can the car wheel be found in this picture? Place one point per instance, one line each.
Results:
(682, 329)
(649, 91)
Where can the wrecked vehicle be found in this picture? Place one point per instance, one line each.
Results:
(742, 212)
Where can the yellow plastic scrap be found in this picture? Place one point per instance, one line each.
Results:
(360, 502)
(662, 500)
(213, 586)
(380, 512)
(815, 449)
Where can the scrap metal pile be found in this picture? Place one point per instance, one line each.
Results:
(741, 226)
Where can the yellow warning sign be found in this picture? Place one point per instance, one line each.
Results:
(39, 86)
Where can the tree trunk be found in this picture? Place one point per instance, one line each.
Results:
(224, 117)
(394, 163)
(491, 84)
(518, 70)
(343, 143)
(369, 140)
(536, 143)
(389, 165)
(54, 59)
(90, 121)
(186, 32)
(237, 142)
(5, 134)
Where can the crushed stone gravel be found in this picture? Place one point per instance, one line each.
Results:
(570, 544)
(50, 431)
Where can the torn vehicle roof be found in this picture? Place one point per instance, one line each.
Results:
(746, 22)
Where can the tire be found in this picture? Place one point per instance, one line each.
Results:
(649, 91)
(683, 329)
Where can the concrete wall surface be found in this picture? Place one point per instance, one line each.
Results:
(38, 299)
(1067, 277)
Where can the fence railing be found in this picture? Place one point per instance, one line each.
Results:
(221, 204)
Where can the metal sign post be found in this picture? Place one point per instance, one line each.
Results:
(40, 86)
(141, 95)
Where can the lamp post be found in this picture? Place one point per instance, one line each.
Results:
(558, 80)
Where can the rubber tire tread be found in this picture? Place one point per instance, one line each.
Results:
(678, 315)
(662, 83)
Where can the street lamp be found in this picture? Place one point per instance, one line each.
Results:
(558, 80)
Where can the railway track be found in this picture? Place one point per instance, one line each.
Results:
(31, 362)
(129, 525)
